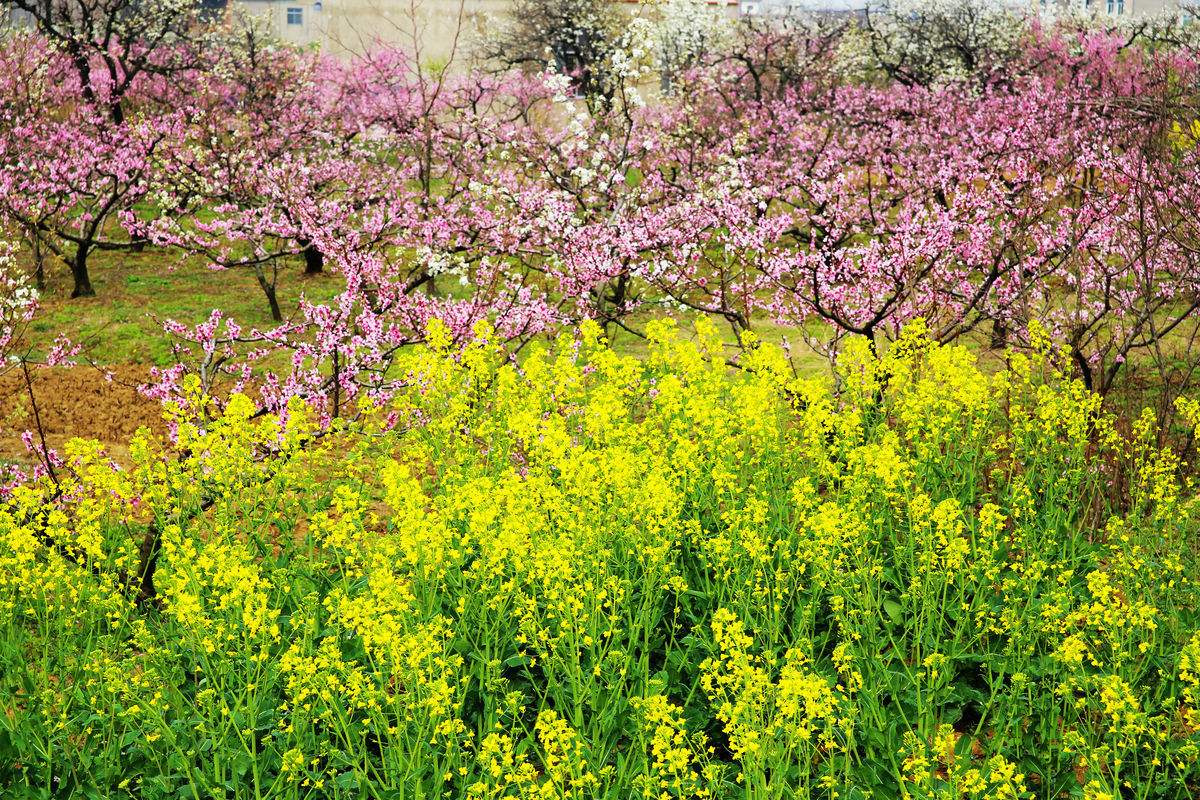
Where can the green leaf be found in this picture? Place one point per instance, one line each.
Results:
(347, 780)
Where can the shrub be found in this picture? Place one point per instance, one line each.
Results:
(598, 576)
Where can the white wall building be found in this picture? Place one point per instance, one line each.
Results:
(439, 28)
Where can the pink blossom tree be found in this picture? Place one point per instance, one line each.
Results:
(67, 169)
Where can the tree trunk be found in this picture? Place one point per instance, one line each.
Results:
(999, 335)
(1085, 369)
(314, 260)
(39, 265)
(269, 290)
(148, 555)
(79, 271)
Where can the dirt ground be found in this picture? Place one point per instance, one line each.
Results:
(75, 401)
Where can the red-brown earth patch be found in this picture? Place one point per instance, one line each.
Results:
(88, 402)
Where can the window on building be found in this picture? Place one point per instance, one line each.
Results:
(295, 16)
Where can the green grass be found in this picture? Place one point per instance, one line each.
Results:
(135, 292)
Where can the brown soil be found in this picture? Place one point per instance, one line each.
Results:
(75, 401)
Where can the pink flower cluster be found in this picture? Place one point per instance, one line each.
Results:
(1063, 191)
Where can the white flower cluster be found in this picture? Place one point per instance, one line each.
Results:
(438, 263)
(687, 29)
(940, 41)
(18, 299)
(559, 85)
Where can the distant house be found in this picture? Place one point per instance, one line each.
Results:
(352, 26)
(292, 20)
(784, 7)
(1119, 8)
